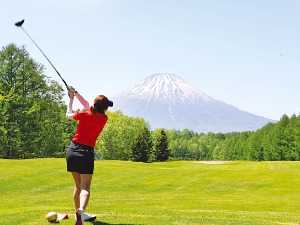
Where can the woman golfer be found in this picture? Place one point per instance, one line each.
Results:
(80, 153)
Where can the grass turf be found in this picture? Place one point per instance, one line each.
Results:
(235, 193)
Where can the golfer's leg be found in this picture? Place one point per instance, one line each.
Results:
(76, 194)
(85, 184)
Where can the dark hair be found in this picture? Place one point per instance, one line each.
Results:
(101, 104)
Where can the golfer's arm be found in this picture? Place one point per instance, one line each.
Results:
(83, 102)
(70, 113)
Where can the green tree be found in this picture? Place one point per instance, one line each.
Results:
(118, 136)
(142, 147)
(31, 107)
(161, 145)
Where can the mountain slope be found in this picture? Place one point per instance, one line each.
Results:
(166, 100)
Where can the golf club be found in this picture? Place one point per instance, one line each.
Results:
(19, 24)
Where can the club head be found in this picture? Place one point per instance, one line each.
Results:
(19, 23)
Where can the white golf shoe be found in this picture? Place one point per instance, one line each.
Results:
(88, 217)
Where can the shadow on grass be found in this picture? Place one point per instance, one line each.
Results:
(103, 223)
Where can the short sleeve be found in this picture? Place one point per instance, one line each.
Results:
(78, 115)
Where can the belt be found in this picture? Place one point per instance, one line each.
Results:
(83, 146)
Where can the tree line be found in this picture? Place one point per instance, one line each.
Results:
(33, 124)
(275, 141)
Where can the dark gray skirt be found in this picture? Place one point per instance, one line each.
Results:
(80, 158)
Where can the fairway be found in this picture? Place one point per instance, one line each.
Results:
(181, 192)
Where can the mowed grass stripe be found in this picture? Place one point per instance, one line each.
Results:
(181, 192)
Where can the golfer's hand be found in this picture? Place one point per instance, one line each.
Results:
(71, 93)
(72, 89)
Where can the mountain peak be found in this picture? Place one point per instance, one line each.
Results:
(164, 76)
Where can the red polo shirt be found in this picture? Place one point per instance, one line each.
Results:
(89, 127)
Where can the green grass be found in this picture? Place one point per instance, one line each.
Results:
(237, 193)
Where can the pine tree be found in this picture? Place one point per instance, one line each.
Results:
(142, 147)
(161, 147)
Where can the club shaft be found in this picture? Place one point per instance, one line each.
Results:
(36, 45)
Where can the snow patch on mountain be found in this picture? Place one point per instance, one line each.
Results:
(166, 86)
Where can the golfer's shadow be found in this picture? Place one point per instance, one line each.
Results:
(103, 223)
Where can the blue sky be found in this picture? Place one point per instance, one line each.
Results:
(245, 53)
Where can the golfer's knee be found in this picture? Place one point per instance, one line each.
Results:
(85, 187)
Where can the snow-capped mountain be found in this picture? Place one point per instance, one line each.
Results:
(165, 100)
